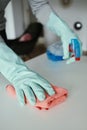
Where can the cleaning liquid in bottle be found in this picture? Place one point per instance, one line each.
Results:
(55, 51)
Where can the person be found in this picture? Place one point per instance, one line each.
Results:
(26, 81)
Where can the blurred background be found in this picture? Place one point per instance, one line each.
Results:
(74, 12)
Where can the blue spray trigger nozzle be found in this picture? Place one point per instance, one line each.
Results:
(74, 49)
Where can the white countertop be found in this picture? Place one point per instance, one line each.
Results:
(70, 115)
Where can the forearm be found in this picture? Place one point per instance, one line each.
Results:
(10, 63)
(41, 9)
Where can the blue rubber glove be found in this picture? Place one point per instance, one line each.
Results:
(60, 28)
(25, 81)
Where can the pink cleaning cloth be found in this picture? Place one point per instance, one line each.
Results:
(50, 101)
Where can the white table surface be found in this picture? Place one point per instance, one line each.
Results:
(70, 115)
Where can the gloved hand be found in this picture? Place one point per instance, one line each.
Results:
(25, 81)
(60, 28)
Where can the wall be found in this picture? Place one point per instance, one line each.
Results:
(19, 16)
(15, 19)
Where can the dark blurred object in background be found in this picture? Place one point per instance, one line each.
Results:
(27, 41)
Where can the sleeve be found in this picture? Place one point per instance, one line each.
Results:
(3, 4)
(2, 20)
(41, 9)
